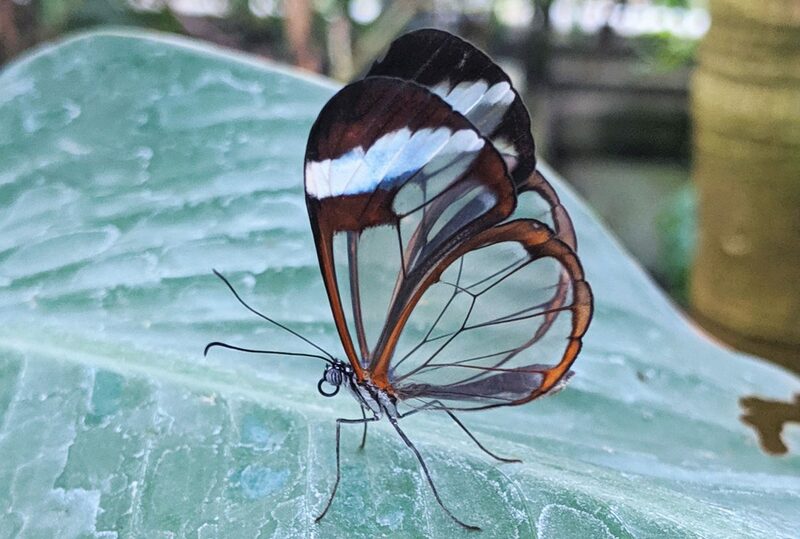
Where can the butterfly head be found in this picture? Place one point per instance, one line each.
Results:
(335, 375)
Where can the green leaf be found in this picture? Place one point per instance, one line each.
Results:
(134, 163)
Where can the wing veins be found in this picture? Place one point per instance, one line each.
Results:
(443, 346)
(438, 318)
(507, 320)
(436, 366)
(355, 292)
(509, 354)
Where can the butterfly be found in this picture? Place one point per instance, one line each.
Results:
(445, 298)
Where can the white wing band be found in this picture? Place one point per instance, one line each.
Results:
(391, 158)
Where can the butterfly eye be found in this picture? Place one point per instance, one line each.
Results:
(332, 376)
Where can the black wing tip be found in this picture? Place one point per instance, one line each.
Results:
(437, 33)
(429, 56)
(437, 39)
(432, 33)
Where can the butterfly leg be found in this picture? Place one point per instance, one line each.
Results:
(439, 405)
(339, 422)
(408, 442)
(364, 435)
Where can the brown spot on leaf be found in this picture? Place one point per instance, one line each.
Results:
(768, 418)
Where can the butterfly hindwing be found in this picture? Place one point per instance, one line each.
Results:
(468, 340)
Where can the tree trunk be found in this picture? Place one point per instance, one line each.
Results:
(746, 105)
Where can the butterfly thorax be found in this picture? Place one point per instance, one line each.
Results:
(372, 398)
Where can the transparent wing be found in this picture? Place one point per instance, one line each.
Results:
(469, 339)
(395, 178)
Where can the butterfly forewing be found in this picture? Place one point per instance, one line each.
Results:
(472, 84)
(394, 180)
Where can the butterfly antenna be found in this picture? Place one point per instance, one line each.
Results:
(267, 318)
(215, 344)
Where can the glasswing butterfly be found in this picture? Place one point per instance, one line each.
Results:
(439, 288)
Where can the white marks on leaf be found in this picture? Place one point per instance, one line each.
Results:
(73, 147)
(392, 158)
(72, 110)
(58, 251)
(260, 436)
(37, 433)
(259, 481)
(214, 78)
(392, 520)
(557, 520)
